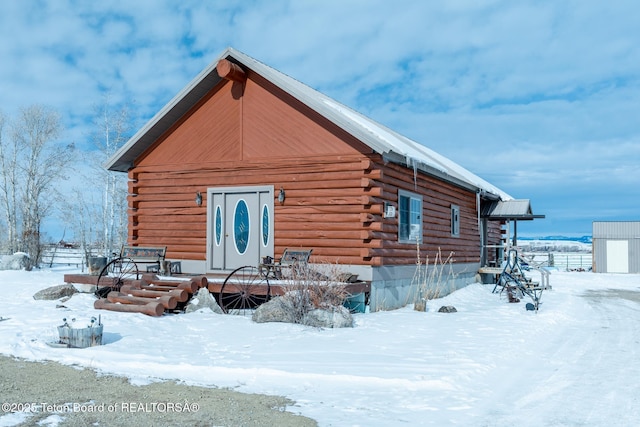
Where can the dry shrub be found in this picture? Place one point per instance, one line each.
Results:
(307, 288)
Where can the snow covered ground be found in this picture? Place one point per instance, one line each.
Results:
(575, 362)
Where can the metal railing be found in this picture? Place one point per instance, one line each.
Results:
(566, 261)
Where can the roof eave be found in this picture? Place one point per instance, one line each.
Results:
(513, 217)
(510, 210)
(437, 173)
(123, 159)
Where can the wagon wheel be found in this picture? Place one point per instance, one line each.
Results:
(114, 274)
(243, 290)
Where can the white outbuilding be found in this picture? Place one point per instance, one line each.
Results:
(616, 246)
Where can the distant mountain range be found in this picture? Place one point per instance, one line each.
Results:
(582, 239)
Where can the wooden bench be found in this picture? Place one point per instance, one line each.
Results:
(153, 255)
(290, 258)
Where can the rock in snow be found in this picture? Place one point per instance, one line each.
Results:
(55, 292)
(333, 317)
(17, 261)
(203, 300)
(281, 309)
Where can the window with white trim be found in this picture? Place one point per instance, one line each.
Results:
(455, 221)
(409, 217)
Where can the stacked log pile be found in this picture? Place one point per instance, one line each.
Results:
(152, 296)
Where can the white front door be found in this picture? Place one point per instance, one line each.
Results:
(239, 226)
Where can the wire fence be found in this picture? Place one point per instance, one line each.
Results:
(566, 261)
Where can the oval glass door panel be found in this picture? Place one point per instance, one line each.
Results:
(265, 225)
(218, 225)
(241, 226)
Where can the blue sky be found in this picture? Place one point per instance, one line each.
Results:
(541, 98)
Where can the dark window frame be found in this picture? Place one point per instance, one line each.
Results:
(410, 217)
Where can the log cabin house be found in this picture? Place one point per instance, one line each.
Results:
(246, 161)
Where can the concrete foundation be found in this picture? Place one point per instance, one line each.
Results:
(394, 287)
(397, 286)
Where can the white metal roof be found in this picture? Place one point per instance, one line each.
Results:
(513, 209)
(379, 138)
(616, 230)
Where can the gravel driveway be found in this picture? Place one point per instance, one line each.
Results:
(64, 396)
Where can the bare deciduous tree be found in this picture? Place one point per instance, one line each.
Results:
(82, 215)
(112, 131)
(9, 186)
(33, 161)
(97, 212)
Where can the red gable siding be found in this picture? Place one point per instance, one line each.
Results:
(210, 133)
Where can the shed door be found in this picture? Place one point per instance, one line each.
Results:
(617, 256)
(240, 226)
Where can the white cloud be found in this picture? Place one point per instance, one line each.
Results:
(492, 85)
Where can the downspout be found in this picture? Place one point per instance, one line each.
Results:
(478, 206)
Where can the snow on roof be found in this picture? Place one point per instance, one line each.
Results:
(379, 138)
(415, 154)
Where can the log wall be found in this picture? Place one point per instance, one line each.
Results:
(437, 198)
(326, 203)
(334, 206)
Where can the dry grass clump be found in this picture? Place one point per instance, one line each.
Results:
(432, 280)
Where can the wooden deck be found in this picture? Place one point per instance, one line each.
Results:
(492, 272)
(215, 282)
(277, 287)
